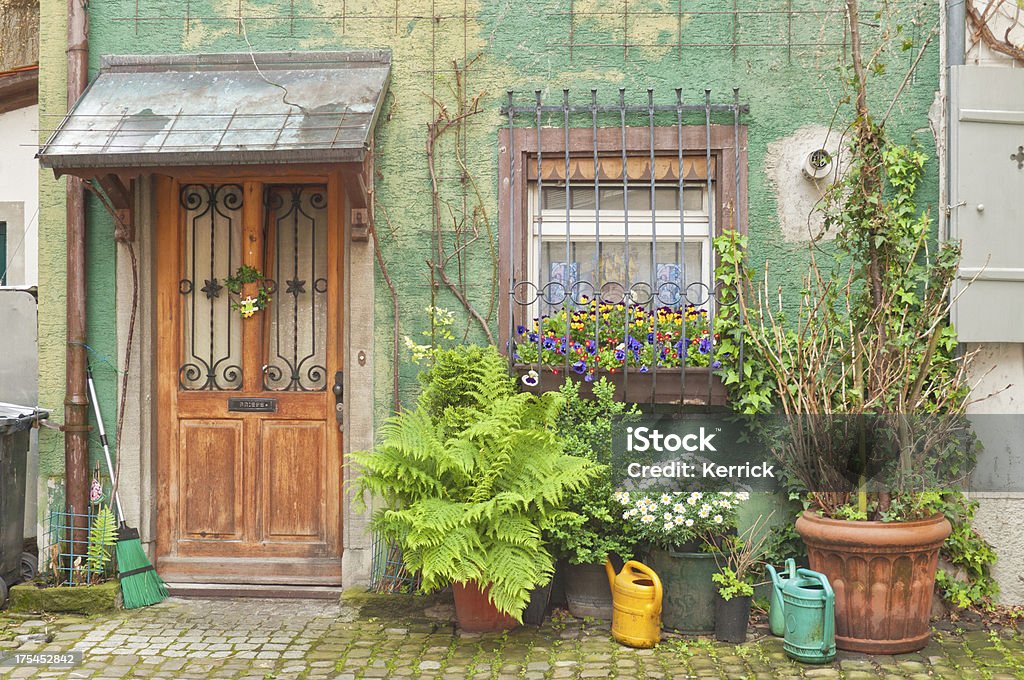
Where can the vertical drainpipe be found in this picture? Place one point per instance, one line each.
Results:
(76, 402)
(955, 55)
(956, 51)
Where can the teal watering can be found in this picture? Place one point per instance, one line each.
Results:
(810, 608)
(776, 615)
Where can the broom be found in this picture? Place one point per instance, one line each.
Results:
(141, 586)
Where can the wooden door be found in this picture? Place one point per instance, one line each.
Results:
(249, 449)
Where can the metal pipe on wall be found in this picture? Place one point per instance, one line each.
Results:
(76, 400)
(955, 53)
(956, 32)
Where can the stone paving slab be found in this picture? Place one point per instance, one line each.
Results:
(389, 636)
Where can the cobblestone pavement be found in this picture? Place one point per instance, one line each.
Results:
(404, 637)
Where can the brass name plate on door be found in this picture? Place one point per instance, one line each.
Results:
(252, 405)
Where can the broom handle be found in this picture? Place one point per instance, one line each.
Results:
(103, 438)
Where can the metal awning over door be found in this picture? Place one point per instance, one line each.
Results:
(222, 109)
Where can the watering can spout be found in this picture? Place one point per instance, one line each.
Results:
(610, 570)
(776, 581)
(776, 613)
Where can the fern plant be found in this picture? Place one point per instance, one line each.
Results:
(102, 537)
(472, 478)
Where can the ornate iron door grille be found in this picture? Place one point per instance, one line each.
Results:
(211, 351)
(295, 239)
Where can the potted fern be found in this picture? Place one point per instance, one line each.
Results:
(471, 480)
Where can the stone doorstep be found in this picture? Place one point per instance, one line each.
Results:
(221, 590)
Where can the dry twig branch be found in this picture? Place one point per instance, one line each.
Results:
(984, 31)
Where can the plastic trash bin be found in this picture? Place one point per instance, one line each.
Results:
(15, 423)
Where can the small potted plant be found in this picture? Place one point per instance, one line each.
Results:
(738, 559)
(676, 527)
(471, 481)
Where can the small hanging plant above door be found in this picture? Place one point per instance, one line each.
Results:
(250, 304)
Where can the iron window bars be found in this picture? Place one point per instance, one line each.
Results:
(610, 135)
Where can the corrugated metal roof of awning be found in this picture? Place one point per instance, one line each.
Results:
(221, 109)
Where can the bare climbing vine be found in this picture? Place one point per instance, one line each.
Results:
(458, 228)
(984, 21)
(395, 317)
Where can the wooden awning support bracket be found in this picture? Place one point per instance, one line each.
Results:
(117, 197)
(359, 189)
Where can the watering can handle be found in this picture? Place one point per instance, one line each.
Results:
(830, 603)
(648, 572)
(791, 567)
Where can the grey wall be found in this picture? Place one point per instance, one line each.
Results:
(19, 368)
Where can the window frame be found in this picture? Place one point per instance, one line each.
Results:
(697, 224)
(728, 208)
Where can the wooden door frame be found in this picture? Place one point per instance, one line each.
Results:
(169, 249)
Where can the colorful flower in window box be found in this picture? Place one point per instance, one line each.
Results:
(612, 336)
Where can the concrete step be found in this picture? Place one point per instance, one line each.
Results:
(216, 590)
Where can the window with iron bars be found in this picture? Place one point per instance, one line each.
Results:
(607, 218)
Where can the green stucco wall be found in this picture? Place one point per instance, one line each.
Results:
(788, 68)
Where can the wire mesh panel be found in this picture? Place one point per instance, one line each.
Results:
(65, 559)
(608, 229)
(388, 573)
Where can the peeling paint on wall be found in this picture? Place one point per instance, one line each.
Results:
(797, 197)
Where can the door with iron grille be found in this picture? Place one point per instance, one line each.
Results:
(249, 308)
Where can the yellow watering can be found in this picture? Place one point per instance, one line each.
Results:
(636, 600)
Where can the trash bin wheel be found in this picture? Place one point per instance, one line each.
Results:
(3, 594)
(29, 566)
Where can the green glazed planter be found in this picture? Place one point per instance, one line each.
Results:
(688, 604)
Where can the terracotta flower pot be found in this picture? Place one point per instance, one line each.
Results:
(475, 611)
(883, 575)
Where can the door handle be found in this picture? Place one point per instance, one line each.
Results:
(339, 398)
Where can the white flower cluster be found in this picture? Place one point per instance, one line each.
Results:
(680, 513)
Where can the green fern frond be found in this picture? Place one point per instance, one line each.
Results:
(102, 537)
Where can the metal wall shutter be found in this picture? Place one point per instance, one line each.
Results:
(987, 174)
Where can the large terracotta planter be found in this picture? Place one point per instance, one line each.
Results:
(475, 611)
(883, 575)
